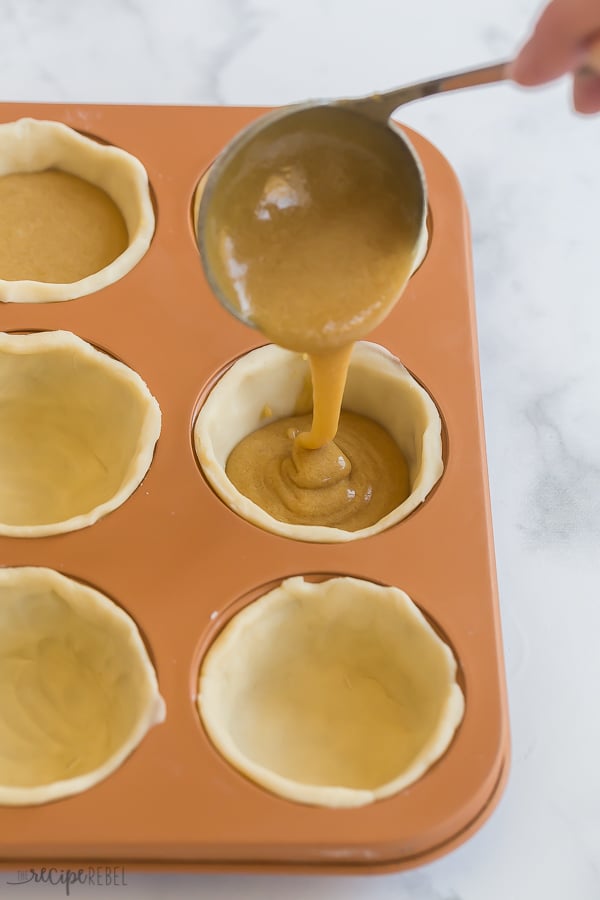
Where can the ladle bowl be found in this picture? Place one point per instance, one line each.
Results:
(364, 121)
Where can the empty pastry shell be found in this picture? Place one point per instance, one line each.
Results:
(336, 693)
(33, 145)
(77, 433)
(270, 380)
(79, 691)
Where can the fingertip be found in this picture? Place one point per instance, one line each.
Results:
(534, 65)
(553, 49)
(586, 93)
(523, 69)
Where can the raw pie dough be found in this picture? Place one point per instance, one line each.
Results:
(264, 385)
(77, 433)
(31, 145)
(78, 689)
(337, 694)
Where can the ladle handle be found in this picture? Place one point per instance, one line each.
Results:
(381, 106)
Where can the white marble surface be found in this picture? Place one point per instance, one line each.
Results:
(531, 173)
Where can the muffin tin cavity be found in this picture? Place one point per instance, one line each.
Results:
(77, 433)
(336, 693)
(75, 214)
(79, 692)
(269, 383)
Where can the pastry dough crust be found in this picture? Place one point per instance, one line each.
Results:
(337, 694)
(77, 433)
(270, 378)
(78, 689)
(33, 145)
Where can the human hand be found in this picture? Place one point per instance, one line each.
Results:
(566, 39)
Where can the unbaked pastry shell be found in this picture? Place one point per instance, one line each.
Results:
(270, 378)
(34, 145)
(336, 693)
(79, 691)
(77, 433)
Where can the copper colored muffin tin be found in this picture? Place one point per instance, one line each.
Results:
(181, 563)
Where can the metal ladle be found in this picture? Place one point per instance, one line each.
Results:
(370, 115)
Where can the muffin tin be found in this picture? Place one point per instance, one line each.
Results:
(181, 563)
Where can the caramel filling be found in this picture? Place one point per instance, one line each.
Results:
(313, 238)
(349, 484)
(313, 234)
(56, 227)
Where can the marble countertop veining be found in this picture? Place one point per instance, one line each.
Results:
(531, 173)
